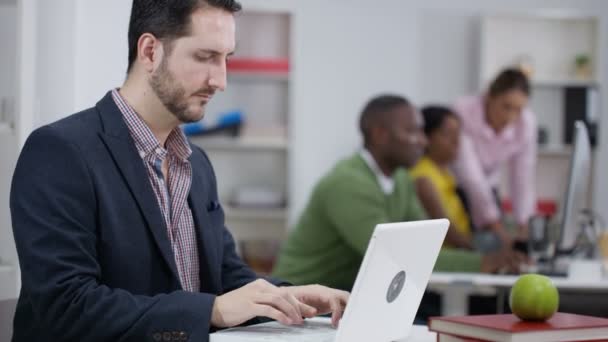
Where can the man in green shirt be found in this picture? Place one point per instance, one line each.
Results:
(372, 186)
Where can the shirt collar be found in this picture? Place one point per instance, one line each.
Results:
(387, 184)
(145, 141)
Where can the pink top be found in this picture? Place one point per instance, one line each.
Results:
(483, 152)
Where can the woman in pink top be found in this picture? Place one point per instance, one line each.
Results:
(498, 130)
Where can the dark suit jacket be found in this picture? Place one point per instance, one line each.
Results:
(95, 258)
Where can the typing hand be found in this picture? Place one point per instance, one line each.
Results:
(259, 298)
(504, 261)
(522, 232)
(324, 299)
(502, 234)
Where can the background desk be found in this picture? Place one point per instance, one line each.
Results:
(455, 288)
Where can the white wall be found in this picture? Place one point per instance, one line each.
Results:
(343, 53)
(55, 60)
(101, 49)
(448, 53)
(600, 181)
(8, 39)
(8, 158)
(8, 145)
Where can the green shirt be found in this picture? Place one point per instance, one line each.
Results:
(329, 241)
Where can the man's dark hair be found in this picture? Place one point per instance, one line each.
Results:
(509, 79)
(376, 112)
(434, 116)
(167, 19)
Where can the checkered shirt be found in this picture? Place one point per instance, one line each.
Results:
(171, 195)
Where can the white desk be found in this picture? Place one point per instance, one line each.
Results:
(455, 288)
(419, 333)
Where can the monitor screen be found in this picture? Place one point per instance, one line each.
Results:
(576, 196)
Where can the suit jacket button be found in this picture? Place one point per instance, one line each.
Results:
(157, 337)
(167, 336)
(183, 336)
(175, 336)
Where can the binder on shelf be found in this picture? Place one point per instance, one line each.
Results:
(581, 103)
(257, 197)
(258, 65)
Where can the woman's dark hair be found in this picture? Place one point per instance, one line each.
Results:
(167, 19)
(434, 116)
(509, 79)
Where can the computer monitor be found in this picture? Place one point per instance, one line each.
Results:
(576, 197)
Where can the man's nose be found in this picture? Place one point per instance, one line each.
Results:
(217, 77)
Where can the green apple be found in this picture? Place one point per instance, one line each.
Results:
(534, 297)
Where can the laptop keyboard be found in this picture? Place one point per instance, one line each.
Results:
(311, 330)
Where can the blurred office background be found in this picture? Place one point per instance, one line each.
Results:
(301, 74)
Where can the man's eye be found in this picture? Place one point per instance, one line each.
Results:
(200, 58)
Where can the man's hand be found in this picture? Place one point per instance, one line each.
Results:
(505, 260)
(502, 234)
(522, 232)
(323, 299)
(259, 298)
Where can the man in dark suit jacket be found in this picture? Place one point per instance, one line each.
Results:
(116, 216)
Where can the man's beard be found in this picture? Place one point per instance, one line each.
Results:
(172, 95)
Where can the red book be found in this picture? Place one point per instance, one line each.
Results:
(509, 328)
(454, 338)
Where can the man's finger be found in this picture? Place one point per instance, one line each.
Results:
(336, 311)
(278, 302)
(307, 310)
(343, 296)
(263, 310)
(294, 302)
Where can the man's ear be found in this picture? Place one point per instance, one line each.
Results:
(149, 52)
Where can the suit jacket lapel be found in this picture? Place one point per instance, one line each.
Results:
(117, 138)
(210, 281)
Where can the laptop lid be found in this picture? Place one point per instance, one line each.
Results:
(386, 295)
(391, 281)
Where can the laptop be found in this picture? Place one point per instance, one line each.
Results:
(391, 281)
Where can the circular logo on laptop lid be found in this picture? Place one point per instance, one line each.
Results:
(396, 286)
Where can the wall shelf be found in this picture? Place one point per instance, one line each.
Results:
(260, 86)
(257, 224)
(258, 69)
(274, 214)
(506, 41)
(563, 83)
(264, 65)
(254, 76)
(555, 151)
(246, 143)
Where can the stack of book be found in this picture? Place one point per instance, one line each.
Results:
(509, 328)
